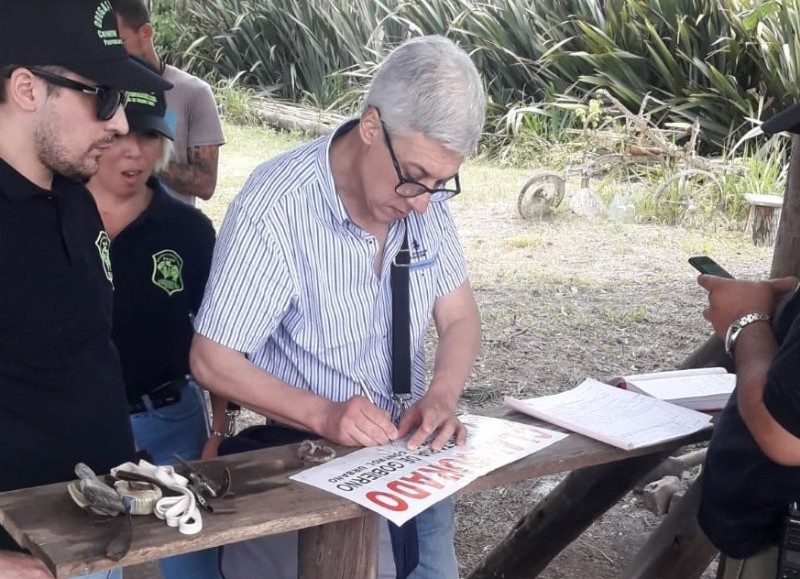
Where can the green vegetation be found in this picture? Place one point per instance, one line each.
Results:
(723, 64)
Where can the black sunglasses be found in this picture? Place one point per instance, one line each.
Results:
(411, 188)
(108, 99)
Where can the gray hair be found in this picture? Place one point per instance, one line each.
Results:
(430, 86)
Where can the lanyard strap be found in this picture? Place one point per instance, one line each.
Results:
(401, 331)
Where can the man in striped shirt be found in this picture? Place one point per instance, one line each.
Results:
(298, 307)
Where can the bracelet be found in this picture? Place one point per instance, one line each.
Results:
(219, 434)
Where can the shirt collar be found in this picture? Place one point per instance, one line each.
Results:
(159, 208)
(332, 200)
(16, 187)
(161, 204)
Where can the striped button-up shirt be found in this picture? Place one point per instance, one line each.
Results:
(293, 282)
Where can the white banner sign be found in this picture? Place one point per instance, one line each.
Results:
(398, 483)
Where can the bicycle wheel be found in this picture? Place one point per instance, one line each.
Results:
(540, 195)
(689, 197)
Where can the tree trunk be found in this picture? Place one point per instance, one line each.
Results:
(786, 256)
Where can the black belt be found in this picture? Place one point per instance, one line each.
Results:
(166, 394)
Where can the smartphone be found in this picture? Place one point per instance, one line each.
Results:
(705, 264)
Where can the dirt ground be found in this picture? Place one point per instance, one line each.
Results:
(565, 299)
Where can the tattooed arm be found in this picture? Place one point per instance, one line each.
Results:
(198, 176)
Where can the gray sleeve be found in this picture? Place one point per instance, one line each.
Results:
(204, 126)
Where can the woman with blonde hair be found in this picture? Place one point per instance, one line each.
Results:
(160, 253)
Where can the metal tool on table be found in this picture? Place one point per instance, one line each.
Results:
(205, 488)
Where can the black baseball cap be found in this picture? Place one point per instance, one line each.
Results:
(146, 112)
(787, 120)
(80, 35)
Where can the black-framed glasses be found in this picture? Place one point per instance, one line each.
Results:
(108, 99)
(411, 188)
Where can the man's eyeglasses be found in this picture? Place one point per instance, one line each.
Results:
(108, 99)
(411, 188)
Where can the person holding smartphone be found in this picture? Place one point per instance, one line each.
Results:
(752, 470)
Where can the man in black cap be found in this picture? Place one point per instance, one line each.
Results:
(63, 77)
(752, 470)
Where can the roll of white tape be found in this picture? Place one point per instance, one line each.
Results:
(144, 495)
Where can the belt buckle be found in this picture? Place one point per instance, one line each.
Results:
(402, 402)
(175, 385)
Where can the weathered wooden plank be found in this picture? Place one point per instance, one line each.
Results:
(44, 520)
(342, 550)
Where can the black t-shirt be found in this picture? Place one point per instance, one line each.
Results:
(161, 262)
(745, 494)
(62, 398)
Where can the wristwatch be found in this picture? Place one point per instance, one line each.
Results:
(736, 327)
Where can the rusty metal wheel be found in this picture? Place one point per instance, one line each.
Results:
(541, 194)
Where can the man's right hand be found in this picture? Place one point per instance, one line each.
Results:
(357, 422)
(21, 566)
(729, 299)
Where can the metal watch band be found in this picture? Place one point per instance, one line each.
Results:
(736, 327)
(219, 434)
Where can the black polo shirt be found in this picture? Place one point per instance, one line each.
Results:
(745, 494)
(161, 263)
(62, 399)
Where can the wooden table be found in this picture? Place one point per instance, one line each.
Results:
(332, 529)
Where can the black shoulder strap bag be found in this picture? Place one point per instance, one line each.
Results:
(405, 542)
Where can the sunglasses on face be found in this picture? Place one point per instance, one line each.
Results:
(108, 99)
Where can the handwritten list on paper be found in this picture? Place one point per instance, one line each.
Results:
(617, 417)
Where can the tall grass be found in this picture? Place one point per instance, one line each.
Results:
(721, 62)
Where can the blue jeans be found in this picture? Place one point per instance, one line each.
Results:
(437, 553)
(181, 428)
(275, 557)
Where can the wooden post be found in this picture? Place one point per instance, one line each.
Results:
(342, 550)
(765, 213)
(786, 255)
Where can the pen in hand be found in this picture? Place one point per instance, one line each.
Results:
(365, 391)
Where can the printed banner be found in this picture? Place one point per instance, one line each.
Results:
(399, 484)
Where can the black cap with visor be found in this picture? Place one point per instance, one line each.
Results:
(80, 35)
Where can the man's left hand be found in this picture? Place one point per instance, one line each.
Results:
(432, 414)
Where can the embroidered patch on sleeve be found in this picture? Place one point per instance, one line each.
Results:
(103, 244)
